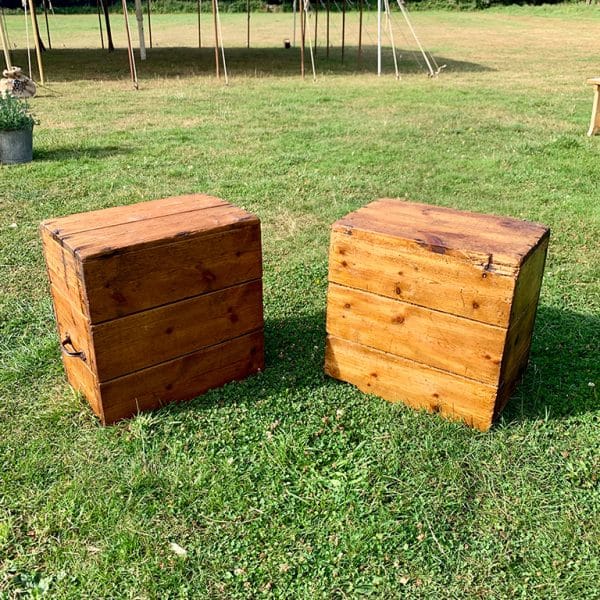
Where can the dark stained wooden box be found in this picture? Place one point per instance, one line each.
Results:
(432, 306)
(156, 302)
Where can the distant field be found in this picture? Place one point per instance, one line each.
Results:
(292, 485)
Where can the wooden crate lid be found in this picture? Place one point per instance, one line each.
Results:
(469, 235)
(105, 232)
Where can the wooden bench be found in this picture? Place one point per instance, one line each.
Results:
(595, 122)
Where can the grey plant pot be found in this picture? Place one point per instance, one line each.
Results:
(16, 146)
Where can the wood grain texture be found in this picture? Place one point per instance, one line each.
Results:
(135, 281)
(529, 281)
(431, 303)
(164, 299)
(440, 340)
(108, 241)
(159, 334)
(504, 240)
(376, 263)
(397, 379)
(118, 215)
(182, 378)
(63, 271)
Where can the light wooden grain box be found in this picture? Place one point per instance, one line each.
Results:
(156, 302)
(433, 307)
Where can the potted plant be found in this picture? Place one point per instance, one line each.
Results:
(16, 131)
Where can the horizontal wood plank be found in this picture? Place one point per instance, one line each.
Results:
(376, 263)
(440, 340)
(157, 275)
(506, 241)
(397, 379)
(183, 378)
(160, 334)
(117, 215)
(109, 241)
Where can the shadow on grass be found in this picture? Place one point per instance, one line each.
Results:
(77, 152)
(555, 385)
(75, 64)
(563, 362)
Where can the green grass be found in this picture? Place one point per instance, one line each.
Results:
(290, 484)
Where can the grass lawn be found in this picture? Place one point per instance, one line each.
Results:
(291, 484)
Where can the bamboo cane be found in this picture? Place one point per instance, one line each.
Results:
(109, 40)
(360, 30)
(132, 69)
(149, 23)
(217, 67)
(302, 38)
(248, 24)
(343, 28)
(199, 7)
(100, 24)
(45, 5)
(316, 26)
(4, 40)
(38, 50)
(327, 7)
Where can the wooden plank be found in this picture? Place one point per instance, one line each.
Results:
(117, 215)
(518, 345)
(72, 324)
(160, 334)
(83, 380)
(63, 270)
(529, 282)
(376, 263)
(157, 275)
(183, 378)
(397, 379)
(505, 240)
(440, 340)
(108, 241)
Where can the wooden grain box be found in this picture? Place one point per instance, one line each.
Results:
(432, 306)
(156, 302)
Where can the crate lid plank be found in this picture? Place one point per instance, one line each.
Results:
(103, 233)
(467, 235)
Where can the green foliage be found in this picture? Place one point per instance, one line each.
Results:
(14, 114)
(290, 484)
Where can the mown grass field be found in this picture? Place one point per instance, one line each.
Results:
(289, 484)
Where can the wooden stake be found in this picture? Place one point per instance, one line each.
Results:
(4, 40)
(139, 15)
(248, 25)
(360, 30)
(217, 67)
(45, 5)
(109, 39)
(199, 6)
(327, 7)
(38, 50)
(37, 33)
(316, 26)
(343, 28)
(100, 24)
(302, 38)
(149, 23)
(132, 69)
